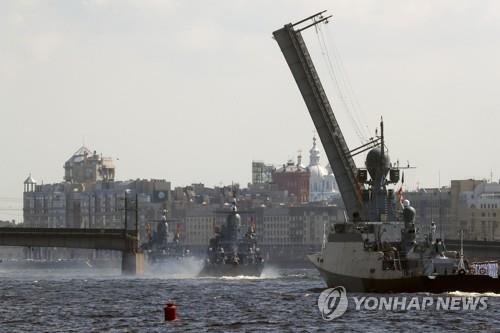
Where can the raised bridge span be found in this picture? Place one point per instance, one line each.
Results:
(99, 239)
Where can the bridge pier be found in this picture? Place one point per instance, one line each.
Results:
(132, 263)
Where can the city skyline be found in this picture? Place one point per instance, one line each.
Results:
(200, 104)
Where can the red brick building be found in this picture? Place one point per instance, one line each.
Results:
(293, 178)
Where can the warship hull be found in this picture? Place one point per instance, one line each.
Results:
(437, 284)
(218, 270)
(154, 259)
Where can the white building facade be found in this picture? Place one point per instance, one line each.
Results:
(322, 184)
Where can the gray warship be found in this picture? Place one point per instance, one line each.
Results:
(233, 251)
(162, 244)
(378, 248)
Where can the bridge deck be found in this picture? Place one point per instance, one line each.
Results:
(106, 239)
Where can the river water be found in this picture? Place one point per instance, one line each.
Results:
(281, 300)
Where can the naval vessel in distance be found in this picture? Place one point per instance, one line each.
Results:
(162, 244)
(233, 251)
(378, 248)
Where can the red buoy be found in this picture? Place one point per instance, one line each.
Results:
(170, 311)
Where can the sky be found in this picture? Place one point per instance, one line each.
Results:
(193, 91)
